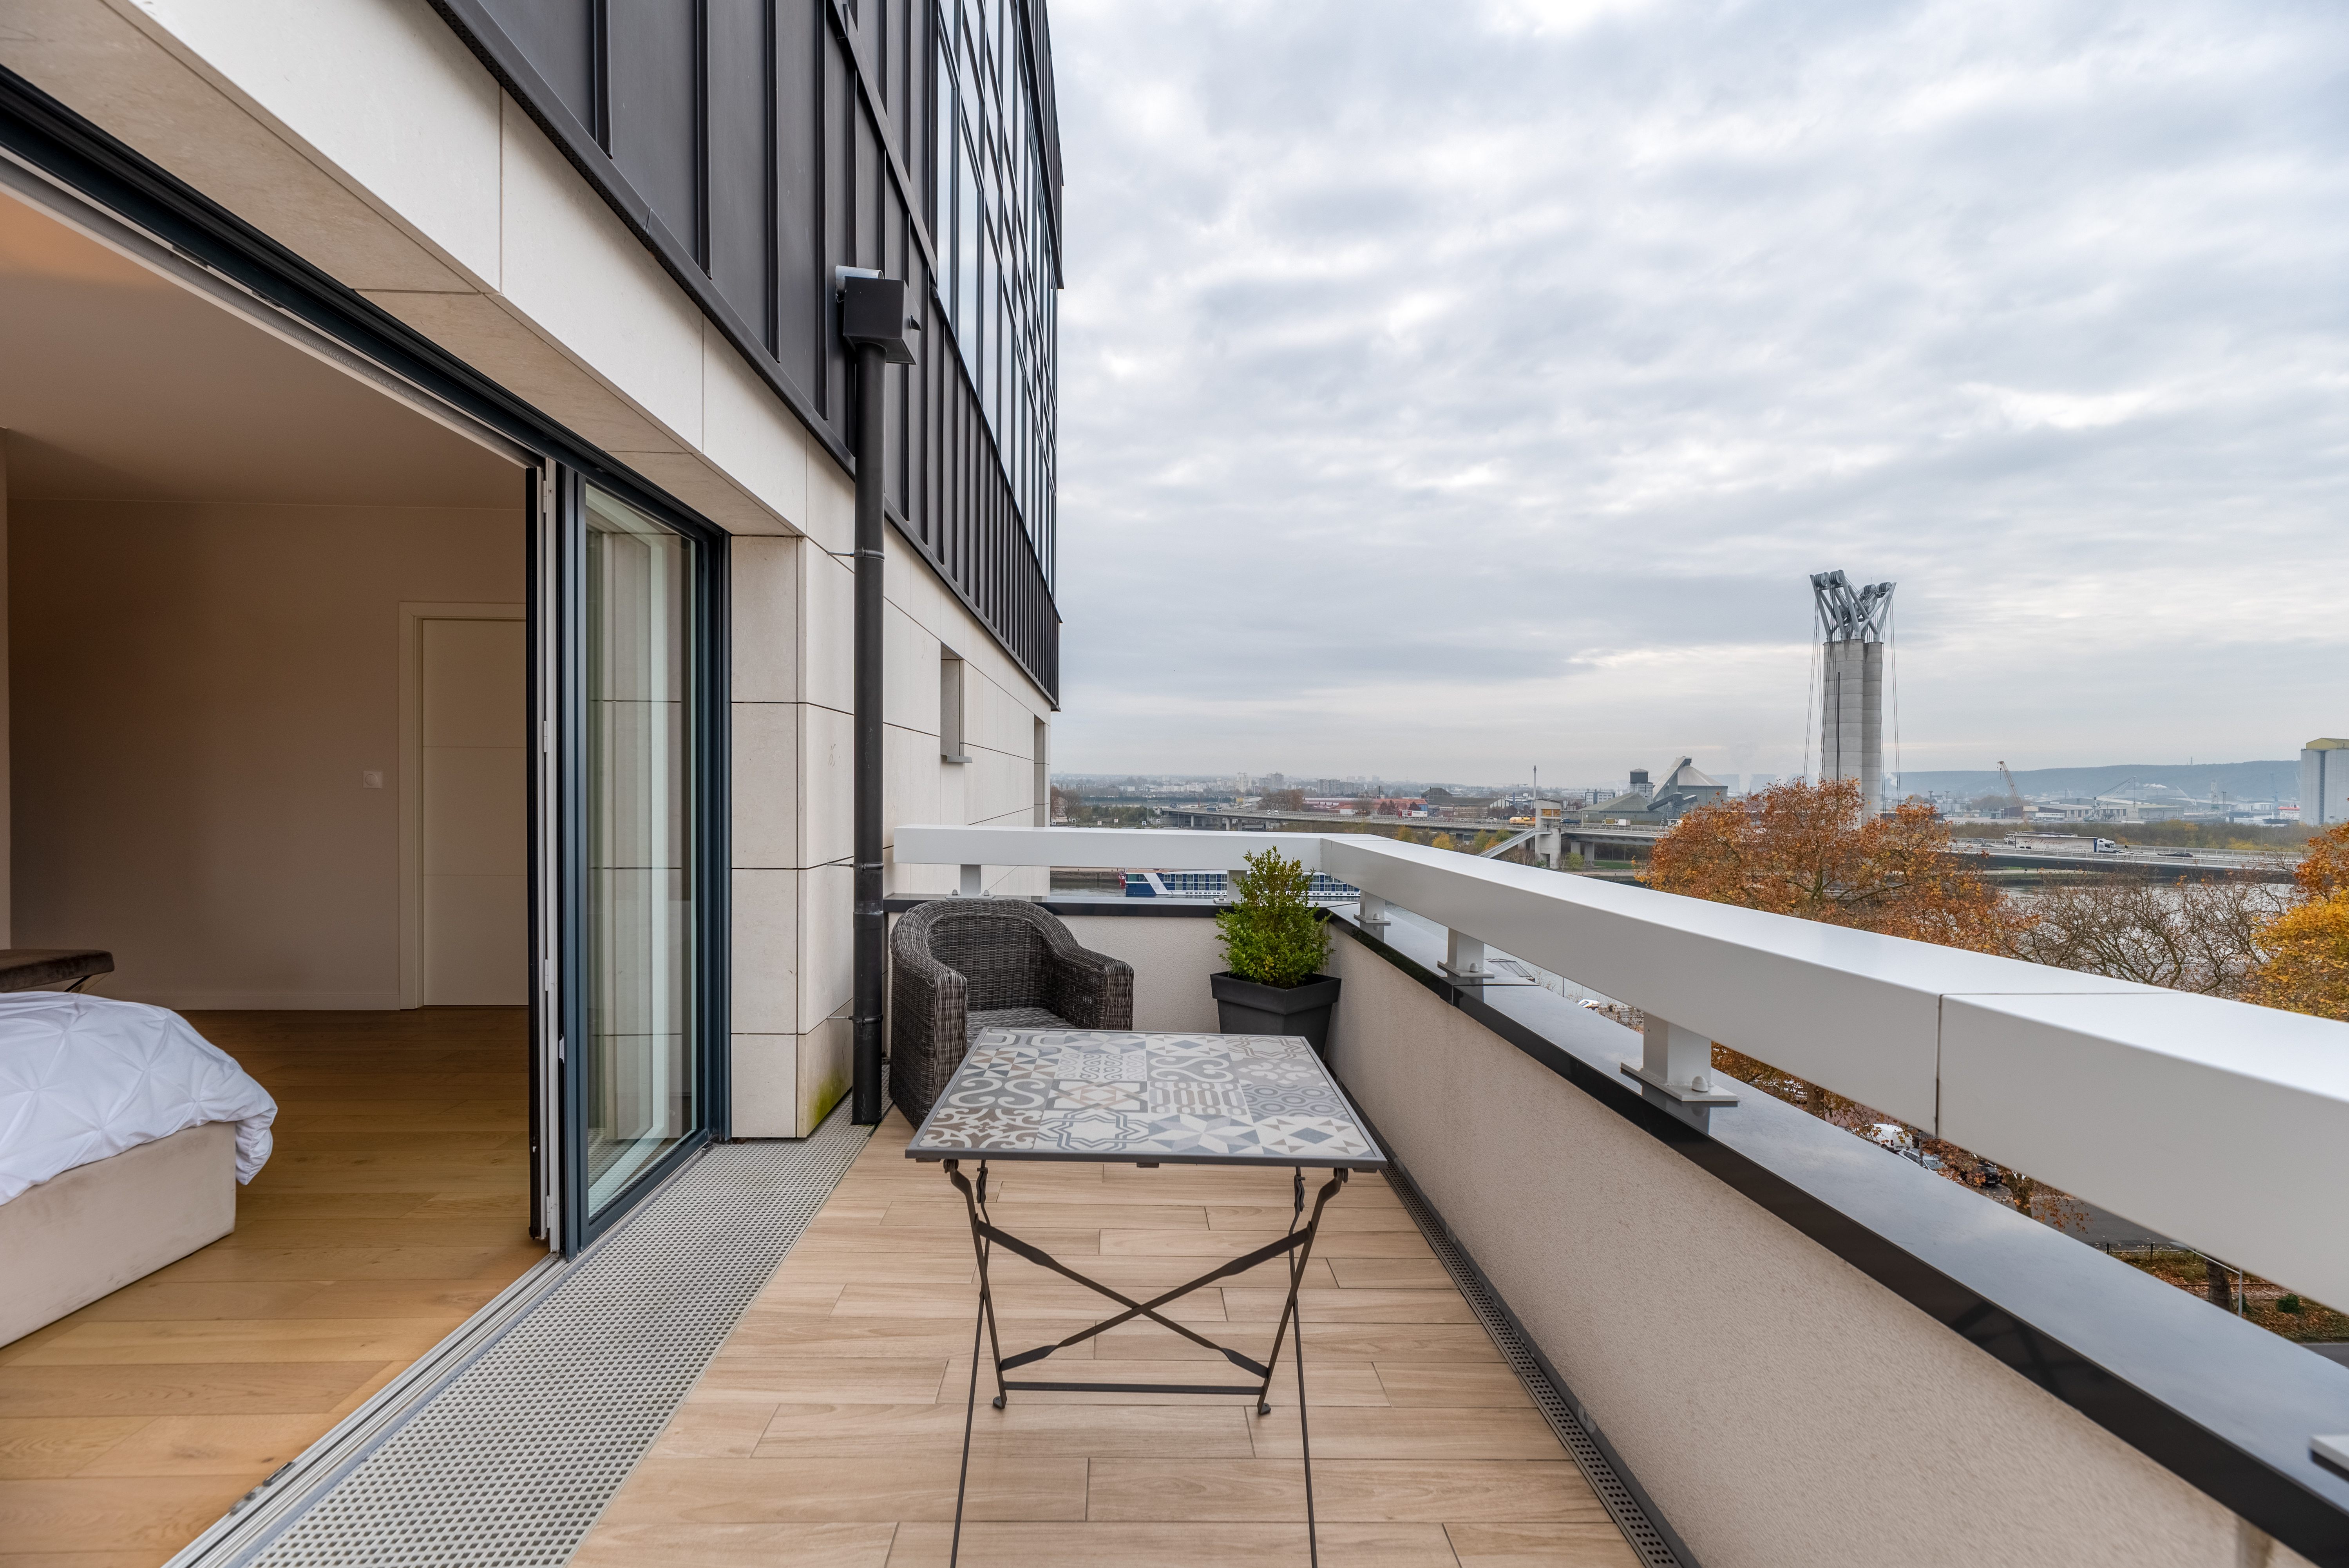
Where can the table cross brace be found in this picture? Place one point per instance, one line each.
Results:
(1297, 1246)
(983, 1232)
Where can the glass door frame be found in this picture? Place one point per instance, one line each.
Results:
(567, 980)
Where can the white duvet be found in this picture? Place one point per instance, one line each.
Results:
(82, 1077)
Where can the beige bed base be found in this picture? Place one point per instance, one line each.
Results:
(97, 1227)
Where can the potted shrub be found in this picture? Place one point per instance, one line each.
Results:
(1274, 945)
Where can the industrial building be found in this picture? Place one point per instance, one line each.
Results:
(1852, 620)
(2324, 782)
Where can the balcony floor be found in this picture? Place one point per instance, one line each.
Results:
(829, 1427)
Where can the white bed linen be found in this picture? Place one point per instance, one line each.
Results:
(84, 1077)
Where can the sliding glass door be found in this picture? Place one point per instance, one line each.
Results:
(638, 1051)
(639, 785)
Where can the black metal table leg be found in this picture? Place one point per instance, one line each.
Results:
(1298, 1248)
(983, 1327)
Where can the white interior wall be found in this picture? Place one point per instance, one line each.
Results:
(198, 691)
(461, 219)
(7, 837)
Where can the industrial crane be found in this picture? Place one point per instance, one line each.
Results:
(2013, 793)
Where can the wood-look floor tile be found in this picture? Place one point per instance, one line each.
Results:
(720, 1429)
(919, 1484)
(1387, 1273)
(1248, 1303)
(796, 1297)
(1339, 1383)
(1282, 1545)
(1396, 1433)
(1453, 1384)
(1026, 1301)
(1021, 1216)
(1428, 1491)
(1212, 1242)
(945, 1242)
(1342, 1214)
(843, 1268)
(859, 1338)
(1326, 1341)
(699, 1545)
(827, 1379)
(1589, 1544)
(841, 1400)
(44, 1446)
(1145, 1277)
(857, 1242)
(1025, 1426)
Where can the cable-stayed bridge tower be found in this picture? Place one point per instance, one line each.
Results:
(1852, 622)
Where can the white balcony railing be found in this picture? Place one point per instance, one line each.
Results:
(2216, 1123)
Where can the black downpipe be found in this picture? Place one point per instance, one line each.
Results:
(871, 928)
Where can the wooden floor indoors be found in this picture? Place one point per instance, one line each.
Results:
(396, 1205)
(827, 1431)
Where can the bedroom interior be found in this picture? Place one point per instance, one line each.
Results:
(265, 729)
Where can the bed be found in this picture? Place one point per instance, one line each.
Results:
(123, 1137)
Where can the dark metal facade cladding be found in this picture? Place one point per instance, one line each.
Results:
(756, 145)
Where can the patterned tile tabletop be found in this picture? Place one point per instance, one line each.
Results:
(1177, 1100)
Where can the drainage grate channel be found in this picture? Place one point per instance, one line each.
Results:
(514, 1459)
(1623, 1504)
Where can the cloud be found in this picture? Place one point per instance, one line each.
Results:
(1446, 391)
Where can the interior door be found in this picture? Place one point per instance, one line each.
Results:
(473, 813)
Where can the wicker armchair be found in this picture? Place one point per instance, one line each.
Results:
(963, 965)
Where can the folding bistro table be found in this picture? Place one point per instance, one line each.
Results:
(1148, 1100)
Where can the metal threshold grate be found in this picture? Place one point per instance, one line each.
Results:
(513, 1459)
(1557, 1406)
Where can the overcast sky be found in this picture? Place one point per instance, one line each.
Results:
(1451, 389)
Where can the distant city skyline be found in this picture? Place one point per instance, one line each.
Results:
(2268, 779)
(1441, 398)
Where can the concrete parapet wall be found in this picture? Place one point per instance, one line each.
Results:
(1783, 1409)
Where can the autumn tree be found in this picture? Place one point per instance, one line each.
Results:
(2203, 937)
(2305, 968)
(1808, 850)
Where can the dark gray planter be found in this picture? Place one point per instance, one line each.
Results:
(1246, 1008)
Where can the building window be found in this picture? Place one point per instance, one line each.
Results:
(1043, 765)
(951, 696)
(992, 221)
